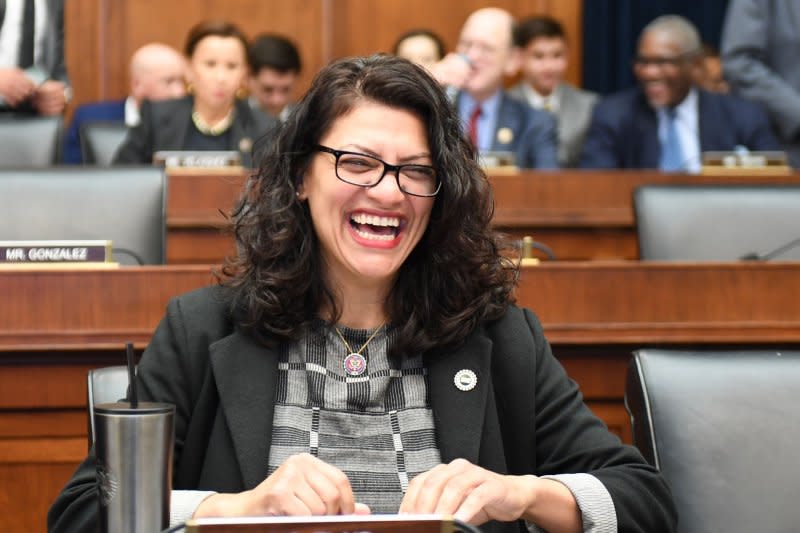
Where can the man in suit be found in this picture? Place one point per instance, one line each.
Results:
(33, 77)
(494, 120)
(157, 72)
(274, 68)
(543, 46)
(667, 122)
(760, 44)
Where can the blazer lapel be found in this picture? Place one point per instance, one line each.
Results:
(649, 155)
(241, 131)
(459, 415)
(506, 128)
(174, 125)
(245, 374)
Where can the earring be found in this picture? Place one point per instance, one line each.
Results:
(240, 93)
(189, 88)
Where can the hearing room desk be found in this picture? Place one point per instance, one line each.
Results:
(57, 324)
(580, 214)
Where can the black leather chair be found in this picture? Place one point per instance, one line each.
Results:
(723, 428)
(718, 222)
(100, 141)
(104, 385)
(27, 141)
(126, 205)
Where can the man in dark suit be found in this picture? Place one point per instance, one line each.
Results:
(667, 122)
(494, 120)
(157, 72)
(33, 77)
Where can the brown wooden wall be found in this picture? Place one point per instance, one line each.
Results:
(101, 35)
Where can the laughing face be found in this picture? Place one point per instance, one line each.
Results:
(663, 68)
(366, 234)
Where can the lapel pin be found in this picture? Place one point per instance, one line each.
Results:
(505, 135)
(465, 380)
(245, 145)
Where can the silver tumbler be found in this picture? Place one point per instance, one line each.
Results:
(134, 448)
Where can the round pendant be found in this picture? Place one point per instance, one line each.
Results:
(355, 364)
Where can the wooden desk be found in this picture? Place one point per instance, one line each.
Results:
(587, 214)
(58, 324)
(580, 214)
(197, 206)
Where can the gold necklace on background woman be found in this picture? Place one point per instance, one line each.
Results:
(216, 129)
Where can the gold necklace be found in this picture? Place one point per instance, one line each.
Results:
(354, 363)
(207, 129)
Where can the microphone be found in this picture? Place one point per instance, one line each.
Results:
(528, 245)
(755, 256)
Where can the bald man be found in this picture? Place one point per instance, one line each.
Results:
(667, 122)
(157, 72)
(492, 119)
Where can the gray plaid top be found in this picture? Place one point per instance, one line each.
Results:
(377, 428)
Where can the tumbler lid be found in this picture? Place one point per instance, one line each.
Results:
(142, 408)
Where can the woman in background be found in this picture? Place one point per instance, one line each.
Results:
(211, 117)
(420, 46)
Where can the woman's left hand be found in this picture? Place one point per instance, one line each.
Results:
(469, 493)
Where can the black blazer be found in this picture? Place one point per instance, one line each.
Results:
(523, 417)
(624, 129)
(164, 125)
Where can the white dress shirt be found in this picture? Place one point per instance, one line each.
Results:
(11, 32)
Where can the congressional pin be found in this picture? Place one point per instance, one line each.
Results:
(505, 135)
(246, 144)
(465, 380)
(355, 364)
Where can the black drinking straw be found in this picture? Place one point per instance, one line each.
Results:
(134, 398)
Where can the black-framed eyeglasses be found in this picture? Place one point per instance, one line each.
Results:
(661, 61)
(365, 170)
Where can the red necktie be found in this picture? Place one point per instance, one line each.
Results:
(473, 125)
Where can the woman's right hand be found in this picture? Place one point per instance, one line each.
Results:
(303, 485)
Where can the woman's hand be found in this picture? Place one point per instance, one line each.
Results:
(476, 495)
(302, 485)
(469, 493)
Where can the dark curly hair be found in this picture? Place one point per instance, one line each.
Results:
(453, 280)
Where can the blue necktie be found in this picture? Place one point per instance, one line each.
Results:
(672, 158)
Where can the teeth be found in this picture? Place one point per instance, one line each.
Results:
(372, 220)
(373, 237)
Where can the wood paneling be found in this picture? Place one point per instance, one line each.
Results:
(28, 490)
(366, 26)
(101, 35)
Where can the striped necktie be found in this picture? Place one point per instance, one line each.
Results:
(26, 42)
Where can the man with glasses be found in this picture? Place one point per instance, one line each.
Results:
(667, 122)
(493, 120)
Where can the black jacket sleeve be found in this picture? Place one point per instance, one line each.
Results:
(137, 148)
